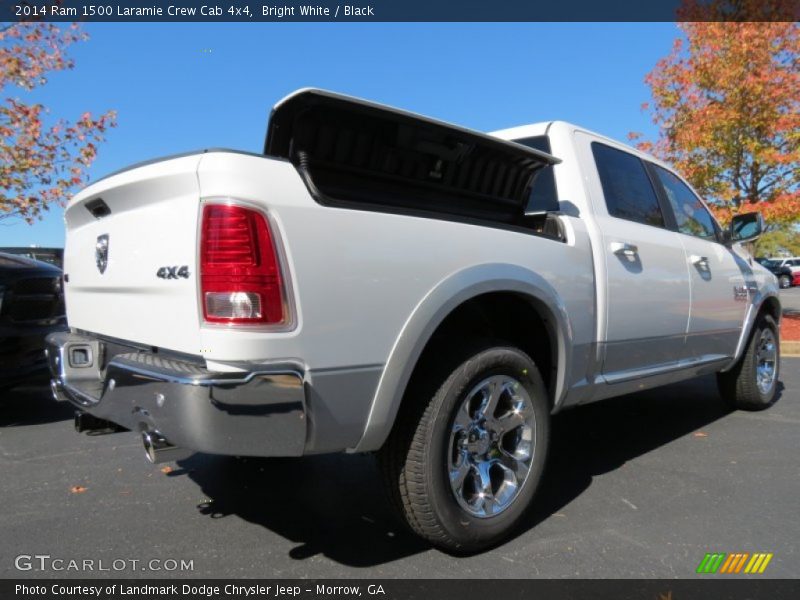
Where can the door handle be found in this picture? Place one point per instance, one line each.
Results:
(624, 249)
(701, 262)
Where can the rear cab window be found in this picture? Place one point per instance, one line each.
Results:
(544, 196)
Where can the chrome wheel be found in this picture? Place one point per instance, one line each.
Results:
(491, 446)
(766, 361)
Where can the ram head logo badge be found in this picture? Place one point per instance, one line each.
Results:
(101, 253)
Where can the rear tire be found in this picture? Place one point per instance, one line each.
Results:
(467, 454)
(784, 281)
(753, 383)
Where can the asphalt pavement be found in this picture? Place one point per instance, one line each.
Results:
(640, 486)
(790, 301)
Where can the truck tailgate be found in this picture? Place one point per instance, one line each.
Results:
(130, 261)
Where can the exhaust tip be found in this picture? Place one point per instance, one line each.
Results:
(158, 450)
(149, 440)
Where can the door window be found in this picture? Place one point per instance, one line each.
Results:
(627, 188)
(691, 215)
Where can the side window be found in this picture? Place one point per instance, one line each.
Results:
(626, 186)
(691, 216)
(543, 193)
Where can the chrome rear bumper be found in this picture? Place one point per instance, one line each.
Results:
(258, 413)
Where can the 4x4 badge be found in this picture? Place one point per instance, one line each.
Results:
(101, 253)
(173, 272)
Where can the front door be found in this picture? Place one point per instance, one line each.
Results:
(719, 289)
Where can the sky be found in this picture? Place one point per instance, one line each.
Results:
(188, 86)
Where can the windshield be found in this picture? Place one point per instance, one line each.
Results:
(770, 264)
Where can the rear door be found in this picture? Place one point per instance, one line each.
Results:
(646, 279)
(717, 273)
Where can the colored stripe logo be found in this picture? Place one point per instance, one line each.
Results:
(734, 563)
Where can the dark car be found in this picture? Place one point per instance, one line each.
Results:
(54, 256)
(31, 306)
(781, 271)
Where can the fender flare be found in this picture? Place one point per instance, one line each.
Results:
(753, 310)
(429, 313)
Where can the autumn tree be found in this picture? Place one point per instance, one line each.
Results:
(726, 101)
(42, 159)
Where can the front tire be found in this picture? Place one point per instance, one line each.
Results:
(463, 464)
(784, 281)
(753, 383)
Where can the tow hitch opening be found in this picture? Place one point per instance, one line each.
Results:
(86, 423)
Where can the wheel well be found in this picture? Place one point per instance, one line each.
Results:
(516, 319)
(772, 307)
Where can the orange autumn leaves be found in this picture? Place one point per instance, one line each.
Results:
(727, 104)
(42, 159)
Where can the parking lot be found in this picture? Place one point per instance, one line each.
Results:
(640, 486)
(790, 300)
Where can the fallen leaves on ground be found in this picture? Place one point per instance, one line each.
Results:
(77, 489)
(166, 470)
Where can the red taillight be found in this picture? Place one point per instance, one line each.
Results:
(240, 274)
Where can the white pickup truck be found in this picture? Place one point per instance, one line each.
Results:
(379, 281)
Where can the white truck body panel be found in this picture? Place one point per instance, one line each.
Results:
(153, 222)
(339, 281)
